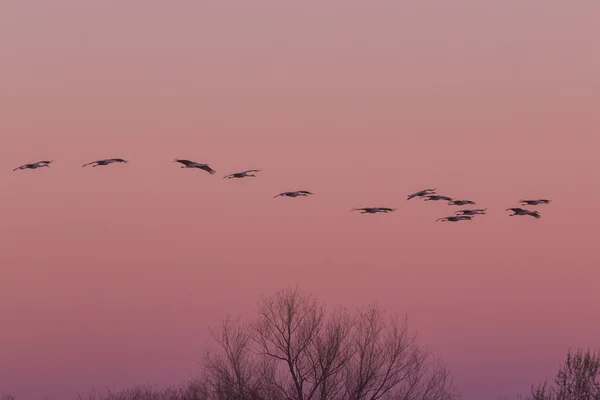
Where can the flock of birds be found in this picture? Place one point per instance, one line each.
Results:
(469, 213)
(426, 194)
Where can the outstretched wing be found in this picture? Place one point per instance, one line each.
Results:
(22, 167)
(387, 209)
(304, 192)
(419, 193)
(184, 162)
(117, 160)
(250, 170)
(280, 194)
(90, 163)
(208, 169)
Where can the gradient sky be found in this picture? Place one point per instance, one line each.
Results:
(111, 276)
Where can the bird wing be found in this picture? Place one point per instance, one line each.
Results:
(184, 162)
(21, 167)
(250, 170)
(208, 169)
(415, 194)
(90, 163)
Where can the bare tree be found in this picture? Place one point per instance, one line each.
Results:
(577, 379)
(295, 350)
(387, 363)
(234, 373)
(288, 325)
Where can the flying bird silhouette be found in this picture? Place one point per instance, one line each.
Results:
(436, 197)
(35, 165)
(106, 162)
(421, 193)
(373, 210)
(460, 202)
(296, 193)
(534, 202)
(242, 174)
(455, 218)
(522, 211)
(193, 164)
(479, 211)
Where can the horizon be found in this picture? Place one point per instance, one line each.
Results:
(112, 275)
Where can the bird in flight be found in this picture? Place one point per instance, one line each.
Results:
(455, 218)
(294, 194)
(460, 202)
(436, 197)
(534, 202)
(421, 193)
(34, 165)
(106, 162)
(193, 164)
(522, 211)
(373, 210)
(478, 211)
(242, 174)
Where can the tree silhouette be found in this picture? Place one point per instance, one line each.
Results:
(295, 350)
(577, 379)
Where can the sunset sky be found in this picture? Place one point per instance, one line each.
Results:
(110, 276)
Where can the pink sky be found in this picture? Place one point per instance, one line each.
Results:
(111, 276)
